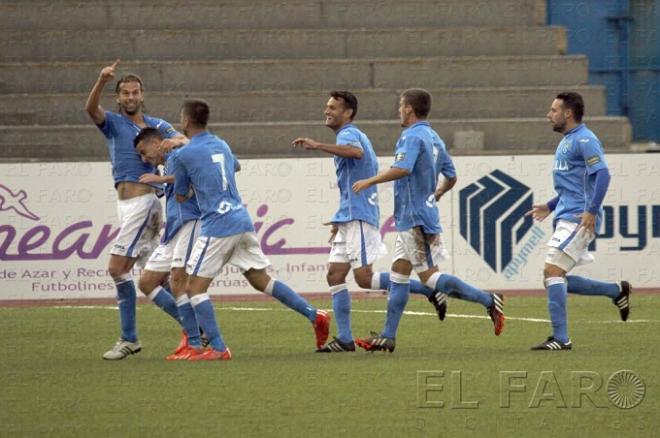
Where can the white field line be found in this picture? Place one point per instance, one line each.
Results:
(407, 312)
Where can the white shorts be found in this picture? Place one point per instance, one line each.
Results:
(357, 243)
(176, 252)
(423, 251)
(140, 219)
(568, 247)
(211, 254)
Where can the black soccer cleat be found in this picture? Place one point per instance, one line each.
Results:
(439, 301)
(376, 342)
(622, 301)
(337, 346)
(496, 313)
(552, 344)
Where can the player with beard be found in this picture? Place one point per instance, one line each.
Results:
(581, 179)
(138, 207)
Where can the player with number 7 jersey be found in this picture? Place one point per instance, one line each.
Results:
(208, 165)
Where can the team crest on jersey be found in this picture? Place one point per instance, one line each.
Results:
(564, 146)
(594, 159)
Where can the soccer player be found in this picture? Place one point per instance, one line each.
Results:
(182, 223)
(581, 178)
(227, 236)
(138, 207)
(419, 244)
(355, 236)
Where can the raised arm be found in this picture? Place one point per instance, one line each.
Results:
(93, 106)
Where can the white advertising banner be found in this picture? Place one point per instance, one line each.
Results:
(57, 221)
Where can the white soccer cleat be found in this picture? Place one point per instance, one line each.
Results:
(122, 349)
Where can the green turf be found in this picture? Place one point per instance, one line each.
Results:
(53, 381)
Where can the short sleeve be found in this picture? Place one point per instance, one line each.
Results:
(446, 164)
(166, 129)
(181, 177)
(407, 151)
(108, 126)
(349, 138)
(592, 153)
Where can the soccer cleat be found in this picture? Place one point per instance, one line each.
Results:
(496, 313)
(183, 354)
(376, 342)
(622, 301)
(321, 327)
(210, 354)
(337, 346)
(183, 343)
(439, 301)
(122, 349)
(552, 344)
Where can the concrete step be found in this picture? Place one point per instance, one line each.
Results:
(262, 106)
(271, 14)
(209, 76)
(261, 140)
(213, 44)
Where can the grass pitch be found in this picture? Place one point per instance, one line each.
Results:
(451, 378)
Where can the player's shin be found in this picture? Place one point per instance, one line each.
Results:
(396, 303)
(164, 299)
(126, 301)
(341, 307)
(188, 320)
(285, 295)
(454, 286)
(206, 317)
(381, 281)
(556, 287)
(586, 286)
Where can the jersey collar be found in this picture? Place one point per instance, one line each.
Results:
(346, 126)
(574, 130)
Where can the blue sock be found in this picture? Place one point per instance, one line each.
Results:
(188, 320)
(341, 306)
(285, 295)
(126, 300)
(456, 287)
(586, 286)
(383, 279)
(396, 302)
(163, 298)
(205, 315)
(556, 287)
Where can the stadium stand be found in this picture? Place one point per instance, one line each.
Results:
(492, 67)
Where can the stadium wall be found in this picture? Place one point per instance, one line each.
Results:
(57, 221)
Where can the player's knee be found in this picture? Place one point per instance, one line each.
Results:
(363, 279)
(335, 277)
(258, 279)
(552, 271)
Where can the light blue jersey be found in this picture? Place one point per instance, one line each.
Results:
(414, 201)
(356, 206)
(443, 163)
(176, 213)
(208, 165)
(120, 131)
(579, 155)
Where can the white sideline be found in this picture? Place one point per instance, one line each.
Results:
(406, 312)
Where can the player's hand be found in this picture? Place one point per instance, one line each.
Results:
(588, 222)
(108, 73)
(361, 185)
(151, 178)
(305, 143)
(539, 212)
(333, 231)
(169, 143)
